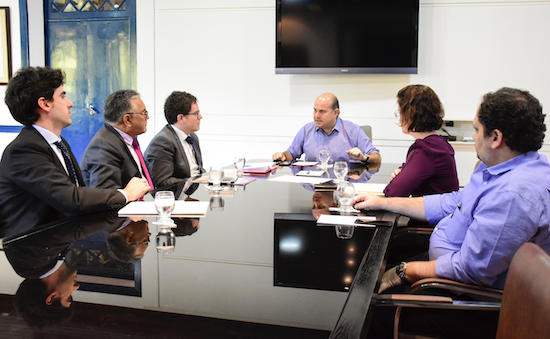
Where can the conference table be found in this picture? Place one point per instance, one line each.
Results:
(256, 255)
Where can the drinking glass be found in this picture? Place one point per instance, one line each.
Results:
(340, 170)
(216, 175)
(164, 203)
(216, 203)
(239, 162)
(166, 241)
(324, 156)
(344, 231)
(345, 193)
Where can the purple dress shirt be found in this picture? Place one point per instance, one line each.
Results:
(344, 136)
(480, 228)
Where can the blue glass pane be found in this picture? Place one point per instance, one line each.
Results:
(95, 56)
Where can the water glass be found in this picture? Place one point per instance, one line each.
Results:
(340, 170)
(164, 204)
(239, 162)
(345, 194)
(216, 175)
(324, 156)
(344, 231)
(216, 203)
(166, 241)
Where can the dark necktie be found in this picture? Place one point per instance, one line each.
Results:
(192, 143)
(142, 162)
(68, 163)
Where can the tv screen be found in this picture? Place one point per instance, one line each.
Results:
(310, 256)
(347, 36)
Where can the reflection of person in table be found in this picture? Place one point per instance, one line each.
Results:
(345, 140)
(430, 166)
(129, 242)
(322, 201)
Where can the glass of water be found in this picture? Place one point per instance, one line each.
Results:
(344, 231)
(164, 204)
(216, 175)
(345, 194)
(239, 162)
(166, 241)
(340, 170)
(324, 156)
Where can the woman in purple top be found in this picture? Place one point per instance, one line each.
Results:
(430, 166)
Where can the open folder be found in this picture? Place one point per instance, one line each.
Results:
(195, 209)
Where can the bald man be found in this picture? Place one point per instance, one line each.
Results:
(345, 140)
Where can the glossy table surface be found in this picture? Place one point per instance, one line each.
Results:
(231, 263)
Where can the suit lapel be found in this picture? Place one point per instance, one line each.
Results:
(124, 146)
(179, 145)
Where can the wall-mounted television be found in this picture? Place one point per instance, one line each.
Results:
(347, 36)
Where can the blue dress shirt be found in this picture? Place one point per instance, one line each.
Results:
(480, 228)
(344, 136)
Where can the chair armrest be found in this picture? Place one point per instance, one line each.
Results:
(451, 285)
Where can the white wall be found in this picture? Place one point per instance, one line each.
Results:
(224, 53)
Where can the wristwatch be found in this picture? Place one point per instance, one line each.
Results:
(366, 160)
(400, 270)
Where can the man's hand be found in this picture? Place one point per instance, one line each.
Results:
(136, 188)
(390, 279)
(278, 156)
(357, 154)
(395, 173)
(368, 201)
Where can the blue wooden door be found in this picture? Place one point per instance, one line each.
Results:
(93, 42)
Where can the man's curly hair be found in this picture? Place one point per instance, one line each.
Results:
(517, 114)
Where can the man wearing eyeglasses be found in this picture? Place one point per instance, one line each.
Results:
(113, 156)
(175, 153)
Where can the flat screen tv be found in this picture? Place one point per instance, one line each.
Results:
(347, 36)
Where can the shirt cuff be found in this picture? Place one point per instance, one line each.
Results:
(124, 194)
(432, 208)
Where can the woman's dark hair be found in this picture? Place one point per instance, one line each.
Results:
(517, 114)
(420, 108)
(27, 86)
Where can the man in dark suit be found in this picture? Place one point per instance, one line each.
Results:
(175, 153)
(113, 156)
(40, 179)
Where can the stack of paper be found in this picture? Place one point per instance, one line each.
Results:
(329, 219)
(195, 209)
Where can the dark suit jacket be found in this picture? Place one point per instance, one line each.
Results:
(107, 161)
(34, 254)
(167, 159)
(35, 188)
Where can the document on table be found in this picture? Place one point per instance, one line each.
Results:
(181, 209)
(365, 187)
(307, 173)
(346, 220)
(300, 180)
(305, 163)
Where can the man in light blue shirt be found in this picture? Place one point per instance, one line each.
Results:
(506, 203)
(345, 140)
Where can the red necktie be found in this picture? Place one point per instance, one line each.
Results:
(142, 162)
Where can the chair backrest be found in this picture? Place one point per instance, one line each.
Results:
(525, 310)
(368, 131)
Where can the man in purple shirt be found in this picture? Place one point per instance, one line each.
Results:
(506, 203)
(345, 140)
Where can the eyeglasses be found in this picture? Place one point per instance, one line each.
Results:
(142, 113)
(197, 113)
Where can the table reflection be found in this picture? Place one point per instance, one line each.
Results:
(230, 269)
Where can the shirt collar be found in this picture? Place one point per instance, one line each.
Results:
(337, 127)
(125, 136)
(511, 164)
(47, 134)
(181, 134)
